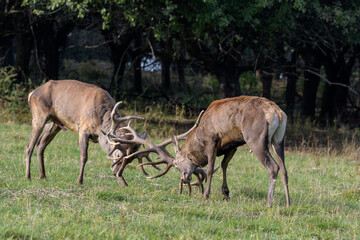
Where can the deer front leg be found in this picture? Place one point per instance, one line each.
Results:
(83, 144)
(228, 156)
(211, 155)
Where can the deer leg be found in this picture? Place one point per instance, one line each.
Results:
(271, 166)
(228, 156)
(50, 131)
(37, 127)
(211, 155)
(279, 153)
(256, 136)
(273, 169)
(121, 170)
(83, 144)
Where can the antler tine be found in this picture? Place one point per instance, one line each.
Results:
(146, 155)
(184, 135)
(155, 163)
(164, 155)
(116, 120)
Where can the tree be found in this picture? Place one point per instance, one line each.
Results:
(327, 35)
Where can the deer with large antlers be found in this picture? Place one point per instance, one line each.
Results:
(83, 108)
(225, 125)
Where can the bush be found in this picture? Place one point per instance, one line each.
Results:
(13, 97)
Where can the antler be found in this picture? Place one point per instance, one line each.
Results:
(184, 135)
(160, 149)
(115, 121)
(163, 154)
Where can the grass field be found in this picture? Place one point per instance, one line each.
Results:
(325, 194)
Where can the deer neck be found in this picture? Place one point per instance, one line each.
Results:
(194, 150)
(105, 128)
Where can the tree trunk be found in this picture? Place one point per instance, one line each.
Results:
(165, 73)
(228, 77)
(314, 60)
(266, 80)
(137, 75)
(118, 49)
(228, 86)
(335, 96)
(6, 52)
(311, 83)
(290, 94)
(181, 70)
(23, 45)
(51, 53)
(166, 60)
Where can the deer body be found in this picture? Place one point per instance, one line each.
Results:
(83, 108)
(227, 124)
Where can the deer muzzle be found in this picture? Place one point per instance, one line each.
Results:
(186, 178)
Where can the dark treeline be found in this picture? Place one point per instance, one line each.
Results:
(313, 42)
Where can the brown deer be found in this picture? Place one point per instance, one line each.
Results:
(225, 125)
(83, 108)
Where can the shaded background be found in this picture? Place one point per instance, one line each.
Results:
(304, 56)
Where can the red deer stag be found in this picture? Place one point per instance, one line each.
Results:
(225, 125)
(83, 108)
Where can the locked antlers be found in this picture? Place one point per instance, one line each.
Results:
(130, 136)
(160, 149)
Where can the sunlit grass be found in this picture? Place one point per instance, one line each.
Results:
(324, 189)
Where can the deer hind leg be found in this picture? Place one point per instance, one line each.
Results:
(279, 153)
(84, 145)
(38, 123)
(228, 156)
(260, 147)
(50, 131)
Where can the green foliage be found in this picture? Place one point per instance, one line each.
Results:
(249, 83)
(13, 96)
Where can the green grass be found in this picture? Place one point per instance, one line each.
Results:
(325, 192)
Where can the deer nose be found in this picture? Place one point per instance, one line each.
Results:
(186, 178)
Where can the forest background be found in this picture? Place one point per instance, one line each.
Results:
(177, 57)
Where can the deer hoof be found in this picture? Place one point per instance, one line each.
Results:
(226, 198)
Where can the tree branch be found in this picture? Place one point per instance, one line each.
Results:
(331, 83)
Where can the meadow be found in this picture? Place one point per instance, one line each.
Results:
(324, 190)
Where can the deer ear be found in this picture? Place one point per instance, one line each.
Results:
(176, 143)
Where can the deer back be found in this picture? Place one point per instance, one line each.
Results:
(74, 104)
(227, 121)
